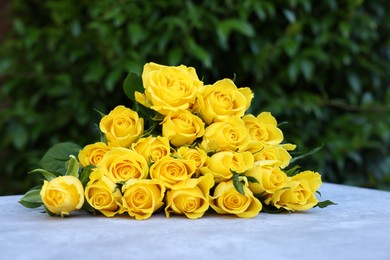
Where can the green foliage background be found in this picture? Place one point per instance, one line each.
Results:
(322, 66)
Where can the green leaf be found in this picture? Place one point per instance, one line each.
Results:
(84, 176)
(100, 113)
(199, 53)
(237, 184)
(306, 154)
(307, 68)
(112, 79)
(252, 179)
(272, 209)
(132, 83)
(32, 199)
(325, 203)
(55, 158)
(72, 166)
(293, 171)
(47, 175)
(290, 15)
(225, 28)
(88, 208)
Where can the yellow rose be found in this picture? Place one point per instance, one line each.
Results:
(191, 199)
(92, 153)
(143, 197)
(221, 164)
(152, 148)
(273, 156)
(62, 195)
(121, 164)
(263, 131)
(300, 194)
(223, 99)
(182, 127)
(103, 194)
(271, 179)
(122, 126)
(173, 172)
(230, 134)
(168, 88)
(198, 155)
(227, 200)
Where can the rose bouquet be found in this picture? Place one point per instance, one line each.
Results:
(184, 148)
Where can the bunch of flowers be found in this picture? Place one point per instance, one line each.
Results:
(185, 148)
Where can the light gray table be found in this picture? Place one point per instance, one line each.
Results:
(357, 228)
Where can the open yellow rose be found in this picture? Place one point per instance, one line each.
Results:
(222, 100)
(122, 126)
(62, 195)
(168, 88)
(191, 199)
(142, 197)
(227, 200)
(273, 156)
(182, 127)
(152, 148)
(93, 153)
(229, 135)
(270, 179)
(263, 131)
(198, 155)
(103, 194)
(220, 165)
(300, 192)
(173, 172)
(121, 164)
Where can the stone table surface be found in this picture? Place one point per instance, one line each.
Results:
(357, 228)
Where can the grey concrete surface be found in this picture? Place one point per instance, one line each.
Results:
(357, 228)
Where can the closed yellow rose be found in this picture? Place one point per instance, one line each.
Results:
(270, 179)
(173, 172)
(62, 195)
(121, 164)
(221, 164)
(122, 126)
(223, 99)
(103, 194)
(168, 88)
(191, 199)
(263, 131)
(273, 156)
(227, 200)
(152, 148)
(300, 192)
(93, 153)
(229, 135)
(182, 127)
(198, 155)
(142, 197)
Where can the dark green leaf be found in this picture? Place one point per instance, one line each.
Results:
(325, 203)
(84, 176)
(133, 83)
(292, 171)
(100, 113)
(31, 205)
(55, 158)
(306, 154)
(32, 199)
(47, 175)
(252, 179)
(72, 167)
(237, 183)
(272, 209)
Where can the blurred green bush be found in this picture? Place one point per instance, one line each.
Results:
(324, 67)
